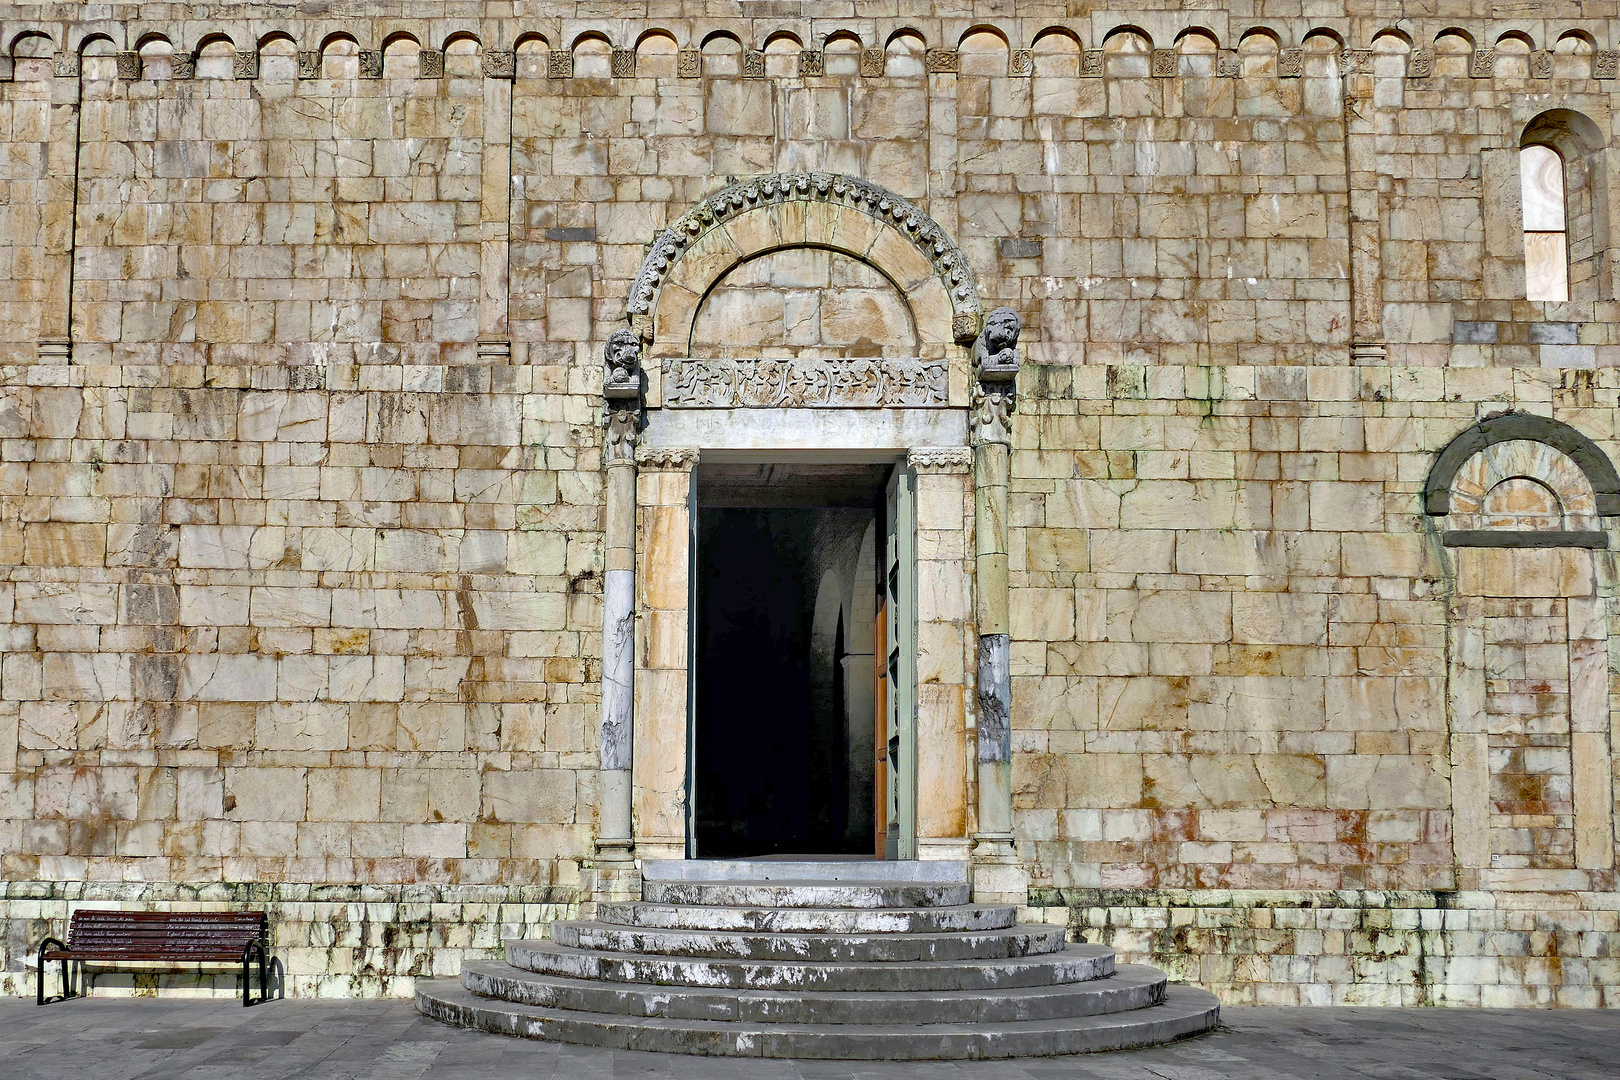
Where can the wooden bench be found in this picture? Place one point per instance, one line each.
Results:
(178, 938)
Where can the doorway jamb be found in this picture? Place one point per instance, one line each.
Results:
(663, 593)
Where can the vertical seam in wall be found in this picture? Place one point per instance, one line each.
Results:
(73, 202)
(511, 200)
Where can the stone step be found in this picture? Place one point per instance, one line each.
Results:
(1184, 1011)
(1074, 963)
(847, 871)
(807, 894)
(766, 920)
(1130, 987)
(831, 948)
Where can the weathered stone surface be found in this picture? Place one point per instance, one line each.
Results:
(302, 498)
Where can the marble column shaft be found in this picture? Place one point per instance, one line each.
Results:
(991, 464)
(618, 661)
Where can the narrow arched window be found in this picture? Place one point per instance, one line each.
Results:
(1546, 229)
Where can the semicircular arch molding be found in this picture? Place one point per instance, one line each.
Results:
(1585, 454)
(781, 210)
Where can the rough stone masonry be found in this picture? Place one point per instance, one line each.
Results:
(1304, 517)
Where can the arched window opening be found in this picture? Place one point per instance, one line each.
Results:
(1546, 230)
(1564, 185)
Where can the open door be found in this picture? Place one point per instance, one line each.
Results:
(788, 563)
(897, 672)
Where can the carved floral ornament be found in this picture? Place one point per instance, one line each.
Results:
(898, 213)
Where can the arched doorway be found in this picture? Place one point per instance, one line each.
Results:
(807, 394)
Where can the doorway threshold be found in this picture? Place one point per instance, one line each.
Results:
(814, 868)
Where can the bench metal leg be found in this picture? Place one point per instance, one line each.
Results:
(67, 974)
(248, 952)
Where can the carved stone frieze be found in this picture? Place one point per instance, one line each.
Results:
(65, 65)
(1355, 61)
(624, 63)
(1605, 64)
(129, 65)
(689, 64)
(1420, 65)
(1483, 64)
(805, 383)
(309, 64)
(1021, 63)
(940, 459)
(371, 63)
(1290, 63)
(811, 63)
(245, 65)
(560, 64)
(667, 458)
(1091, 64)
(753, 64)
(864, 196)
(1227, 64)
(940, 61)
(873, 62)
(1164, 63)
(430, 64)
(185, 66)
(1541, 64)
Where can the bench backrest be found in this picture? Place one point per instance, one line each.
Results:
(181, 935)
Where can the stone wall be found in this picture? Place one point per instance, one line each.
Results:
(301, 484)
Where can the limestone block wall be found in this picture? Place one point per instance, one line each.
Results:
(301, 483)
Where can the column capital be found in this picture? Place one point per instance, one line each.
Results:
(623, 390)
(995, 377)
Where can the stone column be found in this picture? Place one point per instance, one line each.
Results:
(60, 212)
(997, 877)
(495, 197)
(616, 877)
(664, 531)
(1361, 178)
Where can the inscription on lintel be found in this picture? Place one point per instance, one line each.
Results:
(873, 382)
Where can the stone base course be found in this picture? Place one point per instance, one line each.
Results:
(332, 940)
(1353, 947)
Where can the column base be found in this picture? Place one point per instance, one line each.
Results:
(998, 877)
(615, 875)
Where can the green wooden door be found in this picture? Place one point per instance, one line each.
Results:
(900, 663)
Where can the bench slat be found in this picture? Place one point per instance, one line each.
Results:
(97, 934)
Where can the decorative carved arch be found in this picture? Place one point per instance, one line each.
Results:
(1586, 455)
(780, 210)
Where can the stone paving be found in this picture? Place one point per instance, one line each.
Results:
(142, 1039)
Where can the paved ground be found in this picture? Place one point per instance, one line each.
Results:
(145, 1039)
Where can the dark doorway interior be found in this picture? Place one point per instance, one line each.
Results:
(783, 758)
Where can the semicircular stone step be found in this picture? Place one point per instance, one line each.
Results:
(1130, 987)
(1074, 963)
(1183, 1012)
(808, 894)
(831, 948)
(766, 920)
